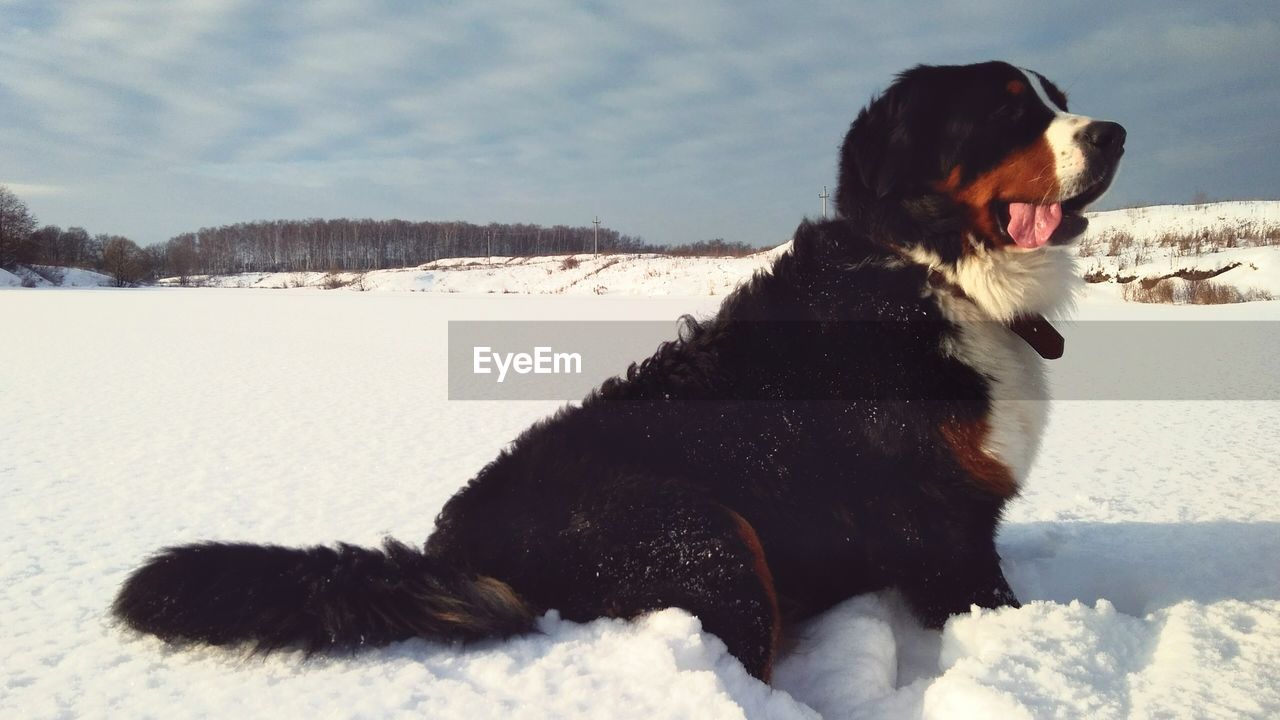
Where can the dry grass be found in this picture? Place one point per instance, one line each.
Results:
(1097, 275)
(332, 280)
(1123, 244)
(1204, 292)
(1117, 242)
(570, 263)
(1160, 292)
(1191, 292)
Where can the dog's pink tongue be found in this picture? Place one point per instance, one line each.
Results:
(1031, 225)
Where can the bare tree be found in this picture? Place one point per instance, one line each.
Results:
(16, 226)
(123, 260)
(75, 248)
(181, 257)
(45, 244)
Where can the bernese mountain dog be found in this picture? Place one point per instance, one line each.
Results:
(854, 418)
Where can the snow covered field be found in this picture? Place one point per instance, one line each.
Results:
(1144, 548)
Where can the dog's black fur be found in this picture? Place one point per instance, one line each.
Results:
(785, 455)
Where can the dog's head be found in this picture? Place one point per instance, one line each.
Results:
(989, 152)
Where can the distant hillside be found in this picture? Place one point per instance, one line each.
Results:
(621, 274)
(51, 276)
(1213, 252)
(1186, 253)
(358, 245)
(1236, 244)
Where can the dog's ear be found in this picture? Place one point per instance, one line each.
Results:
(881, 153)
(874, 140)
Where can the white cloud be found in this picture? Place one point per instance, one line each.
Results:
(684, 120)
(32, 189)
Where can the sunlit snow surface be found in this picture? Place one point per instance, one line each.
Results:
(1146, 545)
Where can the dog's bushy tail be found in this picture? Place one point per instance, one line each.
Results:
(314, 598)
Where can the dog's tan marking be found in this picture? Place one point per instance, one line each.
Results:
(1027, 175)
(966, 440)
(752, 540)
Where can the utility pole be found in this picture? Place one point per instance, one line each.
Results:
(596, 251)
(824, 197)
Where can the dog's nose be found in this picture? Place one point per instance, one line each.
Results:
(1107, 137)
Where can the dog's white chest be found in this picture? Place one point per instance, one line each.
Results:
(1018, 389)
(1019, 393)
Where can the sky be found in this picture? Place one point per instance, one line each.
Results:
(675, 121)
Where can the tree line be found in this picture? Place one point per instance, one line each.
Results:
(338, 245)
(346, 245)
(22, 243)
(342, 245)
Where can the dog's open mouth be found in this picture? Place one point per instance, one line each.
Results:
(1031, 225)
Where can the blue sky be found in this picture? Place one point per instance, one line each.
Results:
(675, 121)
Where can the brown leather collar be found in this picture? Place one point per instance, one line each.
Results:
(1035, 329)
(1040, 334)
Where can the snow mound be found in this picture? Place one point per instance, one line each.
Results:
(1051, 660)
(52, 276)
(79, 277)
